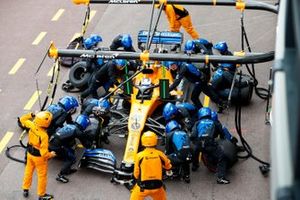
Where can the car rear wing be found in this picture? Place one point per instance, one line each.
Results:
(161, 37)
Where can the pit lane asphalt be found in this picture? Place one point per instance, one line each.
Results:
(21, 23)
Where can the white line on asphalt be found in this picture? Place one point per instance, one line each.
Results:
(16, 67)
(5, 140)
(39, 38)
(32, 100)
(58, 15)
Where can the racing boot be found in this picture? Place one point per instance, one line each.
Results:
(222, 106)
(25, 193)
(195, 167)
(222, 180)
(175, 47)
(46, 197)
(187, 179)
(62, 178)
(104, 137)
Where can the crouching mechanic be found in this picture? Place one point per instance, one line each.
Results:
(106, 76)
(37, 152)
(63, 142)
(178, 150)
(61, 112)
(195, 76)
(122, 42)
(148, 169)
(98, 109)
(184, 113)
(223, 77)
(204, 134)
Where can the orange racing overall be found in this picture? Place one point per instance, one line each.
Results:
(37, 155)
(178, 16)
(148, 173)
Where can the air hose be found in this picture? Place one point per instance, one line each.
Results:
(21, 145)
(262, 93)
(265, 167)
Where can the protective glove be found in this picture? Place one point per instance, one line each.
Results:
(32, 115)
(169, 173)
(234, 140)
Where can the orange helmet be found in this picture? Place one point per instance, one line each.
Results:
(149, 139)
(43, 119)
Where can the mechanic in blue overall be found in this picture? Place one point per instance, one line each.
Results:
(61, 112)
(106, 76)
(194, 75)
(222, 78)
(178, 149)
(197, 46)
(184, 113)
(204, 134)
(122, 42)
(91, 43)
(201, 45)
(63, 142)
(99, 109)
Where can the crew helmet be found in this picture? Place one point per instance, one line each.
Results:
(203, 41)
(121, 63)
(214, 116)
(149, 139)
(96, 38)
(126, 41)
(189, 46)
(204, 112)
(43, 119)
(170, 63)
(83, 121)
(169, 111)
(102, 107)
(171, 126)
(88, 43)
(221, 47)
(68, 103)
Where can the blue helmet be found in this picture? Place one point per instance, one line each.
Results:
(187, 106)
(170, 63)
(221, 47)
(189, 46)
(126, 41)
(204, 112)
(214, 116)
(68, 103)
(229, 66)
(88, 43)
(171, 126)
(169, 111)
(121, 63)
(83, 121)
(104, 103)
(203, 41)
(96, 38)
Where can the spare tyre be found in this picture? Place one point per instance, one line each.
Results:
(78, 76)
(230, 154)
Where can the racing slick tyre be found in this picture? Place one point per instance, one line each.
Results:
(230, 154)
(78, 76)
(246, 87)
(242, 91)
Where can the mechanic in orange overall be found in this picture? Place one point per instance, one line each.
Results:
(178, 16)
(148, 170)
(37, 152)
